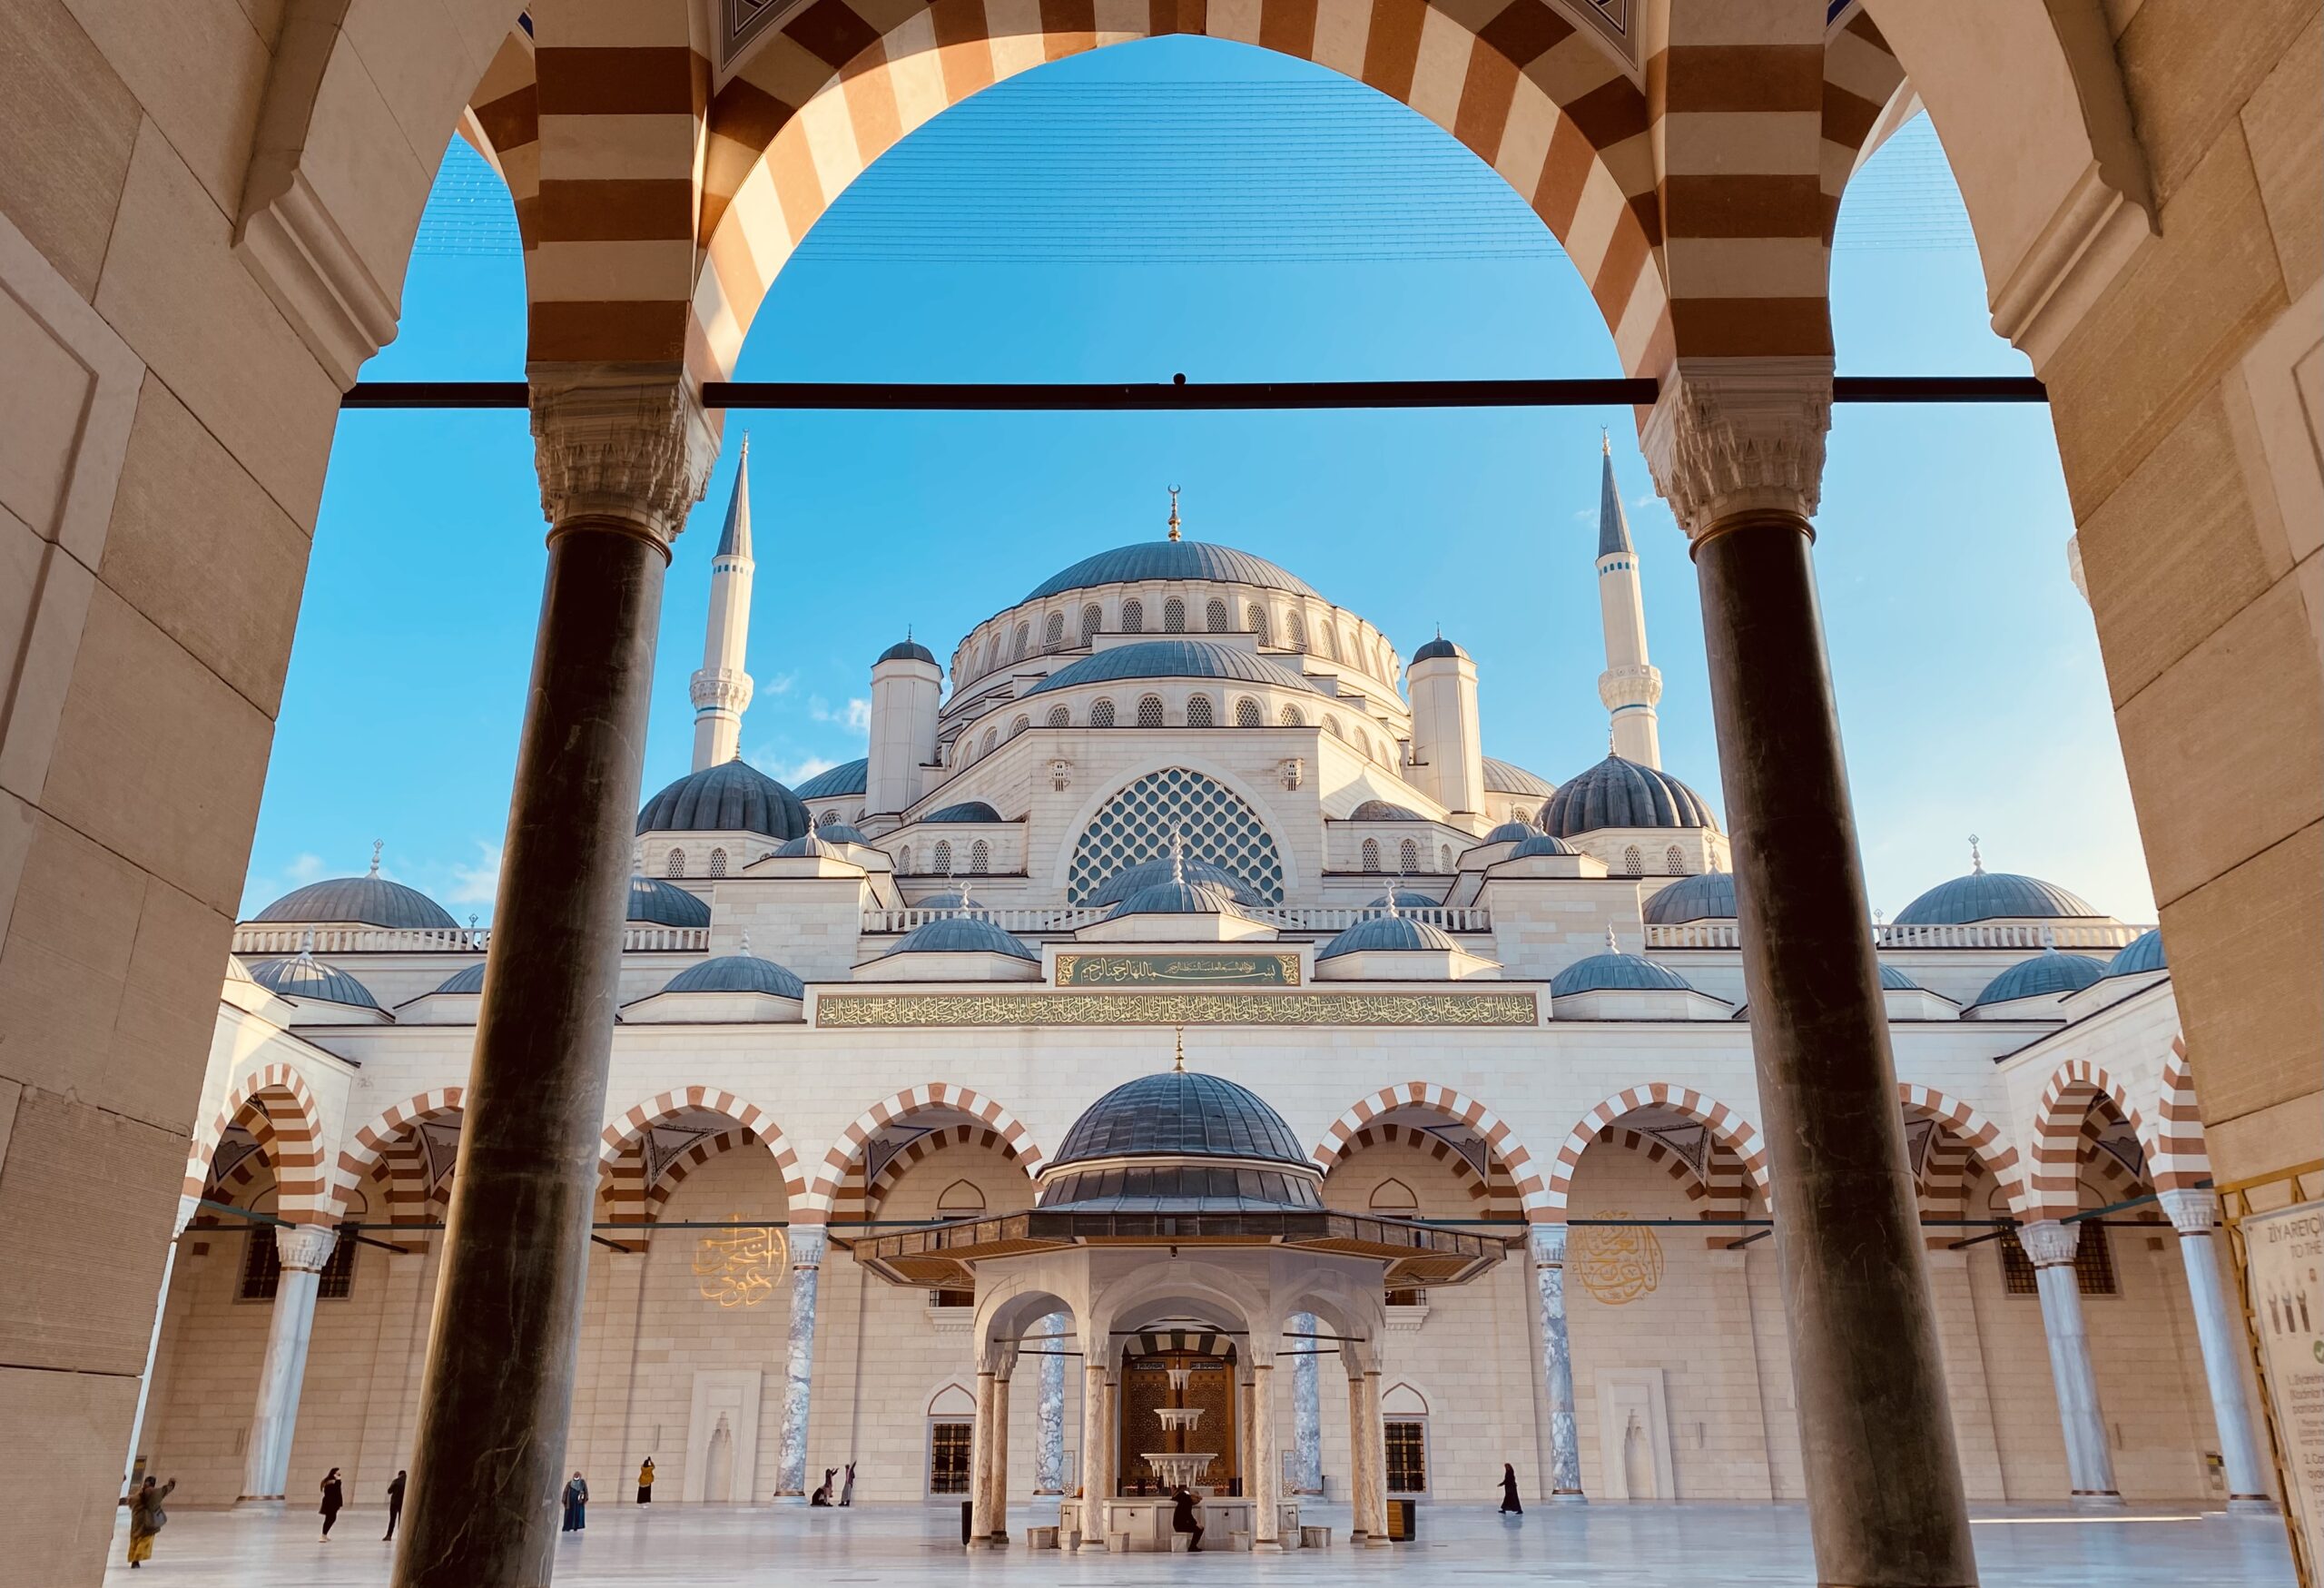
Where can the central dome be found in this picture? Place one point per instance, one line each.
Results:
(1178, 1114)
(1172, 560)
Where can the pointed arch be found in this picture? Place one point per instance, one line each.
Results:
(675, 1173)
(1726, 1126)
(293, 1136)
(859, 1199)
(1491, 1195)
(2076, 1087)
(1978, 1138)
(2179, 1157)
(1440, 1099)
(359, 1159)
(821, 1195)
(622, 1166)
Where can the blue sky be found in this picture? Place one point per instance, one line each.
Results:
(1253, 217)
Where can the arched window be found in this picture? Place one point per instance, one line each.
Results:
(1255, 618)
(1248, 714)
(1633, 862)
(717, 862)
(827, 818)
(958, 1199)
(1392, 1195)
(1024, 642)
(1174, 615)
(1444, 857)
(944, 865)
(1332, 724)
(678, 866)
(1058, 716)
(980, 858)
(1199, 715)
(1331, 642)
(1214, 616)
(992, 739)
(1297, 630)
(1676, 861)
(1053, 632)
(992, 651)
(1101, 716)
(1020, 725)
(1093, 618)
(1149, 711)
(903, 861)
(1408, 855)
(1371, 854)
(1292, 719)
(1133, 616)
(1135, 825)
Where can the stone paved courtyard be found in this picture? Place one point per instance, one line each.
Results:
(912, 1547)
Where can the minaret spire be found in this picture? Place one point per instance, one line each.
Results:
(1630, 685)
(721, 689)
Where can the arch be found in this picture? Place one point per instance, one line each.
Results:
(1292, 718)
(1093, 621)
(980, 858)
(1400, 1399)
(1371, 854)
(1053, 632)
(1122, 826)
(1248, 714)
(674, 1174)
(1199, 713)
(1408, 856)
(819, 1196)
(1174, 615)
(2073, 1088)
(2179, 1157)
(294, 1137)
(918, 1150)
(952, 1402)
(1060, 717)
(1101, 714)
(1215, 619)
(1726, 1126)
(1394, 1194)
(366, 1150)
(675, 866)
(1149, 711)
(1979, 1137)
(1531, 1190)
(718, 856)
(1492, 1194)
(622, 1169)
(1133, 616)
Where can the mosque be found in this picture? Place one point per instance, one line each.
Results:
(1183, 1019)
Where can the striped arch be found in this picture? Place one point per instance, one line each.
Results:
(2178, 1160)
(1490, 1196)
(360, 1158)
(2066, 1103)
(294, 1146)
(858, 1200)
(1964, 1137)
(848, 1150)
(1721, 1189)
(692, 1158)
(1507, 1149)
(1728, 1128)
(623, 1193)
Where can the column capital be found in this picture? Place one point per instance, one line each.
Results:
(624, 442)
(1548, 1241)
(306, 1246)
(1731, 436)
(808, 1242)
(2193, 1210)
(2049, 1242)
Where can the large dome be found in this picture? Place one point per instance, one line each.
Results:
(1177, 1114)
(1991, 896)
(1617, 792)
(846, 778)
(372, 900)
(1174, 659)
(731, 797)
(1172, 560)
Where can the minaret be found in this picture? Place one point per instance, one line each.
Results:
(1631, 685)
(722, 689)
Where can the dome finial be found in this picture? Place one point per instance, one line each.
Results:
(307, 946)
(377, 845)
(1976, 858)
(1178, 857)
(745, 949)
(964, 898)
(1179, 1064)
(1613, 945)
(1174, 512)
(2049, 941)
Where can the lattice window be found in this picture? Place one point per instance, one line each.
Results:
(943, 864)
(1255, 618)
(1676, 861)
(903, 861)
(1133, 616)
(1248, 714)
(1332, 725)
(1407, 1456)
(336, 1281)
(1408, 855)
(1633, 862)
(1058, 716)
(1053, 632)
(1331, 642)
(1214, 617)
(992, 652)
(1297, 629)
(717, 862)
(262, 1267)
(1292, 719)
(1371, 854)
(1174, 615)
(1136, 826)
(1102, 715)
(1024, 642)
(992, 739)
(825, 820)
(1149, 711)
(980, 858)
(1198, 712)
(947, 1457)
(1444, 857)
(1020, 725)
(677, 865)
(1093, 618)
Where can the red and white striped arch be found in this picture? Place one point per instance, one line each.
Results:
(1965, 1134)
(2076, 1088)
(824, 1195)
(2177, 1156)
(1492, 1196)
(857, 1200)
(621, 1165)
(675, 1173)
(1726, 1126)
(1452, 1105)
(293, 1138)
(360, 1158)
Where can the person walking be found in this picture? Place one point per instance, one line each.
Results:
(576, 1504)
(395, 1505)
(645, 1483)
(147, 1518)
(334, 1499)
(1182, 1519)
(1510, 1504)
(847, 1487)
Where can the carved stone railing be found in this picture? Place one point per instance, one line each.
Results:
(267, 939)
(2029, 936)
(1071, 918)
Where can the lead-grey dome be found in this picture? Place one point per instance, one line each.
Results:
(1617, 973)
(731, 798)
(1405, 899)
(906, 650)
(1146, 873)
(467, 979)
(1512, 832)
(309, 978)
(1506, 777)
(1619, 792)
(1172, 560)
(1388, 934)
(966, 811)
(1707, 897)
(1983, 895)
(1381, 811)
(2141, 954)
(961, 934)
(816, 842)
(1178, 896)
(1180, 1114)
(372, 900)
(2047, 974)
(743, 972)
(832, 782)
(1174, 659)
(1541, 843)
(657, 903)
(1439, 646)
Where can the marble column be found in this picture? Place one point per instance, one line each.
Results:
(808, 1243)
(304, 1249)
(1267, 1464)
(1548, 1242)
(1307, 1406)
(2090, 1464)
(981, 1439)
(1736, 447)
(187, 1206)
(1375, 1464)
(1049, 1459)
(1096, 1432)
(2219, 1332)
(1245, 1443)
(1359, 1519)
(998, 1534)
(622, 451)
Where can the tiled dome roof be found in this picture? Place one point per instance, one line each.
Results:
(308, 977)
(731, 798)
(467, 979)
(1617, 792)
(1707, 897)
(1131, 879)
(831, 781)
(372, 900)
(659, 903)
(2141, 955)
(1983, 895)
(2047, 973)
(1173, 658)
(1172, 560)
(966, 811)
(961, 934)
(1381, 811)
(906, 650)
(1388, 934)
(1617, 973)
(1506, 777)
(1179, 1114)
(742, 973)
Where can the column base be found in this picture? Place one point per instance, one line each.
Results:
(1377, 1541)
(1356, 1536)
(1568, 1497)
(2093, 1500)
(1092, 1546)
(260, 1501)
(2252, 1505)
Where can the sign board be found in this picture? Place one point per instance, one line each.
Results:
(1167, 969)
(2285, 1273)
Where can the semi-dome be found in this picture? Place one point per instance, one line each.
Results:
(1541, 843)
(1615, 972)
(1619, 792)
(1146, 873)
(2047, 974)
(1707, 897)
(906, 650)
(966, 811)
(1180, 1114)
(655, 902)
(1388, 934)
(961, 934)
(372, 900)
(1892, 979)
(467, 979)
(1176, 657)
(1440, 646)
(1506, 777)
(2141, 954)
(309, 978)
(1381, 811)
(731, 798)
(742, 973)
(1984, 895)
(1512, 832)
(1172, 560)
(834, 782)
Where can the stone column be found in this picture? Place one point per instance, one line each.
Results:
(304, 1249)
(1049, 1459)
(2219, 1332)
(999, 1535)
(1359, 1519)
(807, 1246)
(622, 454)
(1267, 1487)
(1096, 1430)
(1307, 1406)
(1737, 447)
(187, 1206)
(1556, 1362)
(2090, 1464)
(981, 1464)
(1375, 1464)
(1245, 1441)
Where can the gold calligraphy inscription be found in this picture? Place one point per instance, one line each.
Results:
(737, 1268)
(1615, 1263)
(1177, 969)
(1176, 1009)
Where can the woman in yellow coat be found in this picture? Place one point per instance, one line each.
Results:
(645, 1483)
(147, 1518)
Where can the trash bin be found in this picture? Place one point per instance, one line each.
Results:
(968, 1521)
(1404, 1521)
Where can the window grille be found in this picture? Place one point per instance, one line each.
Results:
(1248, 714)
(1058, 716)
(1371, 854)
(1174, 615)
(980, 858)
(1093, 618)
(903, 861)
(1331, 643)
(1676, 861)
(1292, 719)
(947, 1457)
(1408, 855)
(1255, 618)
(678, 863)
(2093, 1264)
(1214, 617)
(1020, 725)
(1138, 824)
(261, 1266)
(1444, 858)
(1297, 626)
(1102, 715)
(336, 1281)
(992, 738)
(717, 862)
(1332, 727)
(1407, 1456)
(1199, 712)
(1633, 862)
(1024, 642)
(1133, 616)
(1053, 632)
(943, 864)
(1149, 711)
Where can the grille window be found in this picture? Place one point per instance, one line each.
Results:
(1248, 714)
(1214, 617)
(1137, 824)
(1174, 615)
(717, 862)
(1101, 716)
(1149, 712)
(1059, 717)
(1676, 861)
(980, 858)
(1408, 855)
(1093, 618)
(1198, 714)
(1633, 862)
(1292, 719)
(678, 863)
(943, 862)
(1407, 1458)
(1053, 632)
(948, 1458)
(1133, 617)
(1371, 854)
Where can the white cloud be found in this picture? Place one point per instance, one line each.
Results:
(793, 775)
(1647, 501)
(305, 869)
(478, 884)
(1586, 516)
(855, 715)
(780, 684)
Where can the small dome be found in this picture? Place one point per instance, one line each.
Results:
(1623, 793)
(1707, 897)
(372, 900)
(906, 650)
(843, 833)
(1174, 658)
(966, 811)
(961, 934)
(742, 973)
(833, 782)
(1983, 895)
(1892, 979)
(2141, 954)
(1617, 973)
(1405, 899)
(1171, 559)
(2047, 974)
(818, 842)
(1178, 1114)
(731, 797)
(309, 978)
(1506, 777)
(655, 902)
(1123, 883)
(1541, 844)
(1512, 832)
(1177, 897)
(1388, 934)
(1381, 811)
(1439, 646)
(467, 979)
